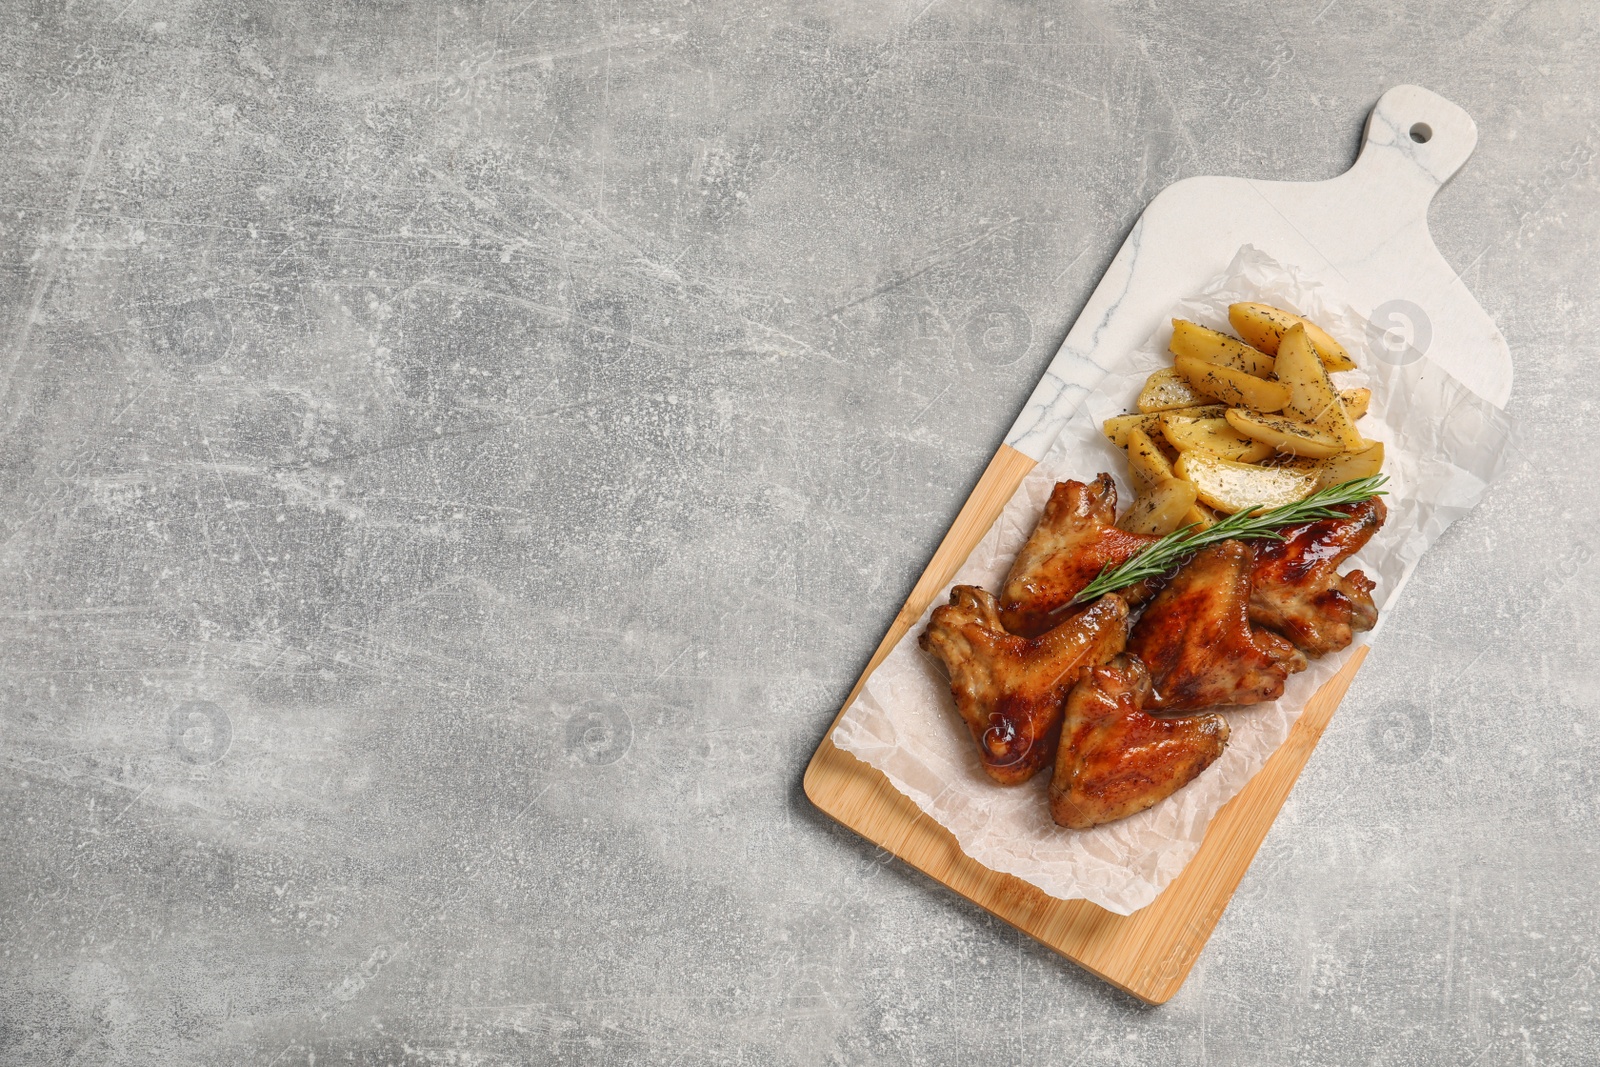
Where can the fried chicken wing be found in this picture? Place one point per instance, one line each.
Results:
(1297, 590)
(1115, 760)
(1075, 539)
(1010, 689)
(1196, 640)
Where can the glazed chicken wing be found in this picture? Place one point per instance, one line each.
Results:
(1196, 640)
(1115, 760)
(1075, 539)
(1296, 587)
(1010, 689)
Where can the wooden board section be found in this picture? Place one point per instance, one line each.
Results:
(1148, 953)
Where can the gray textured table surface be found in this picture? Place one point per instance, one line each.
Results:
(455, 460)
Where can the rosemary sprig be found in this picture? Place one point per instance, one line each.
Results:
(1252, 523)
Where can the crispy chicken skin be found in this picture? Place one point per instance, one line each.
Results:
(1010, 689)
(1075, 539)
(1115, 760)
(1196, 640)
(1297, 590)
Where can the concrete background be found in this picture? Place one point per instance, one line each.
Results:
(454, 460)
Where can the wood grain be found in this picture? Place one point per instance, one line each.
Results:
(1147, 954)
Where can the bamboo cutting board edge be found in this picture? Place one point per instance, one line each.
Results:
(1147, 954)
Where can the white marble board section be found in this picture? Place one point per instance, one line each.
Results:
(1363, 233)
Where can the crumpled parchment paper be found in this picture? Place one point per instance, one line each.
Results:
(1443, 446)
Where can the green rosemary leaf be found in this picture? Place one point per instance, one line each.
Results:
(1250, 524)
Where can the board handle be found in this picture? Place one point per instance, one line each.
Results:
(1417, 138)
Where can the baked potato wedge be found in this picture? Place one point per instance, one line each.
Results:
(1147, 463)
(1355, 401)
(1312, 397)
(1232, 387)
(1229, 486)
(1166, 389)
(1116, 428)
(1214, 435)
(1199, 516)
(1346, 466)
(1279, 434)
(1160, 508)
(1201, 342)
(1264, 326)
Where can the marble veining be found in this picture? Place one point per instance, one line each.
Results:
(1364, 232)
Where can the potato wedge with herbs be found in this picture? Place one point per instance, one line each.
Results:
(1230, 487)
(1284, 435)
(1160, 508)
(1199, 516)
(1312, 397)
(1214, 435)
(1200, 342)
(1166, 389)
(1232, 387)
(1264, 326)
(1355, 401)
(1116, 428)
(1346, 466)
(1148, 464)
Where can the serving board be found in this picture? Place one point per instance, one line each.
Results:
(1363, 233)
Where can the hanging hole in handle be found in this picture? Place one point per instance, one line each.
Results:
(1421, 133)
